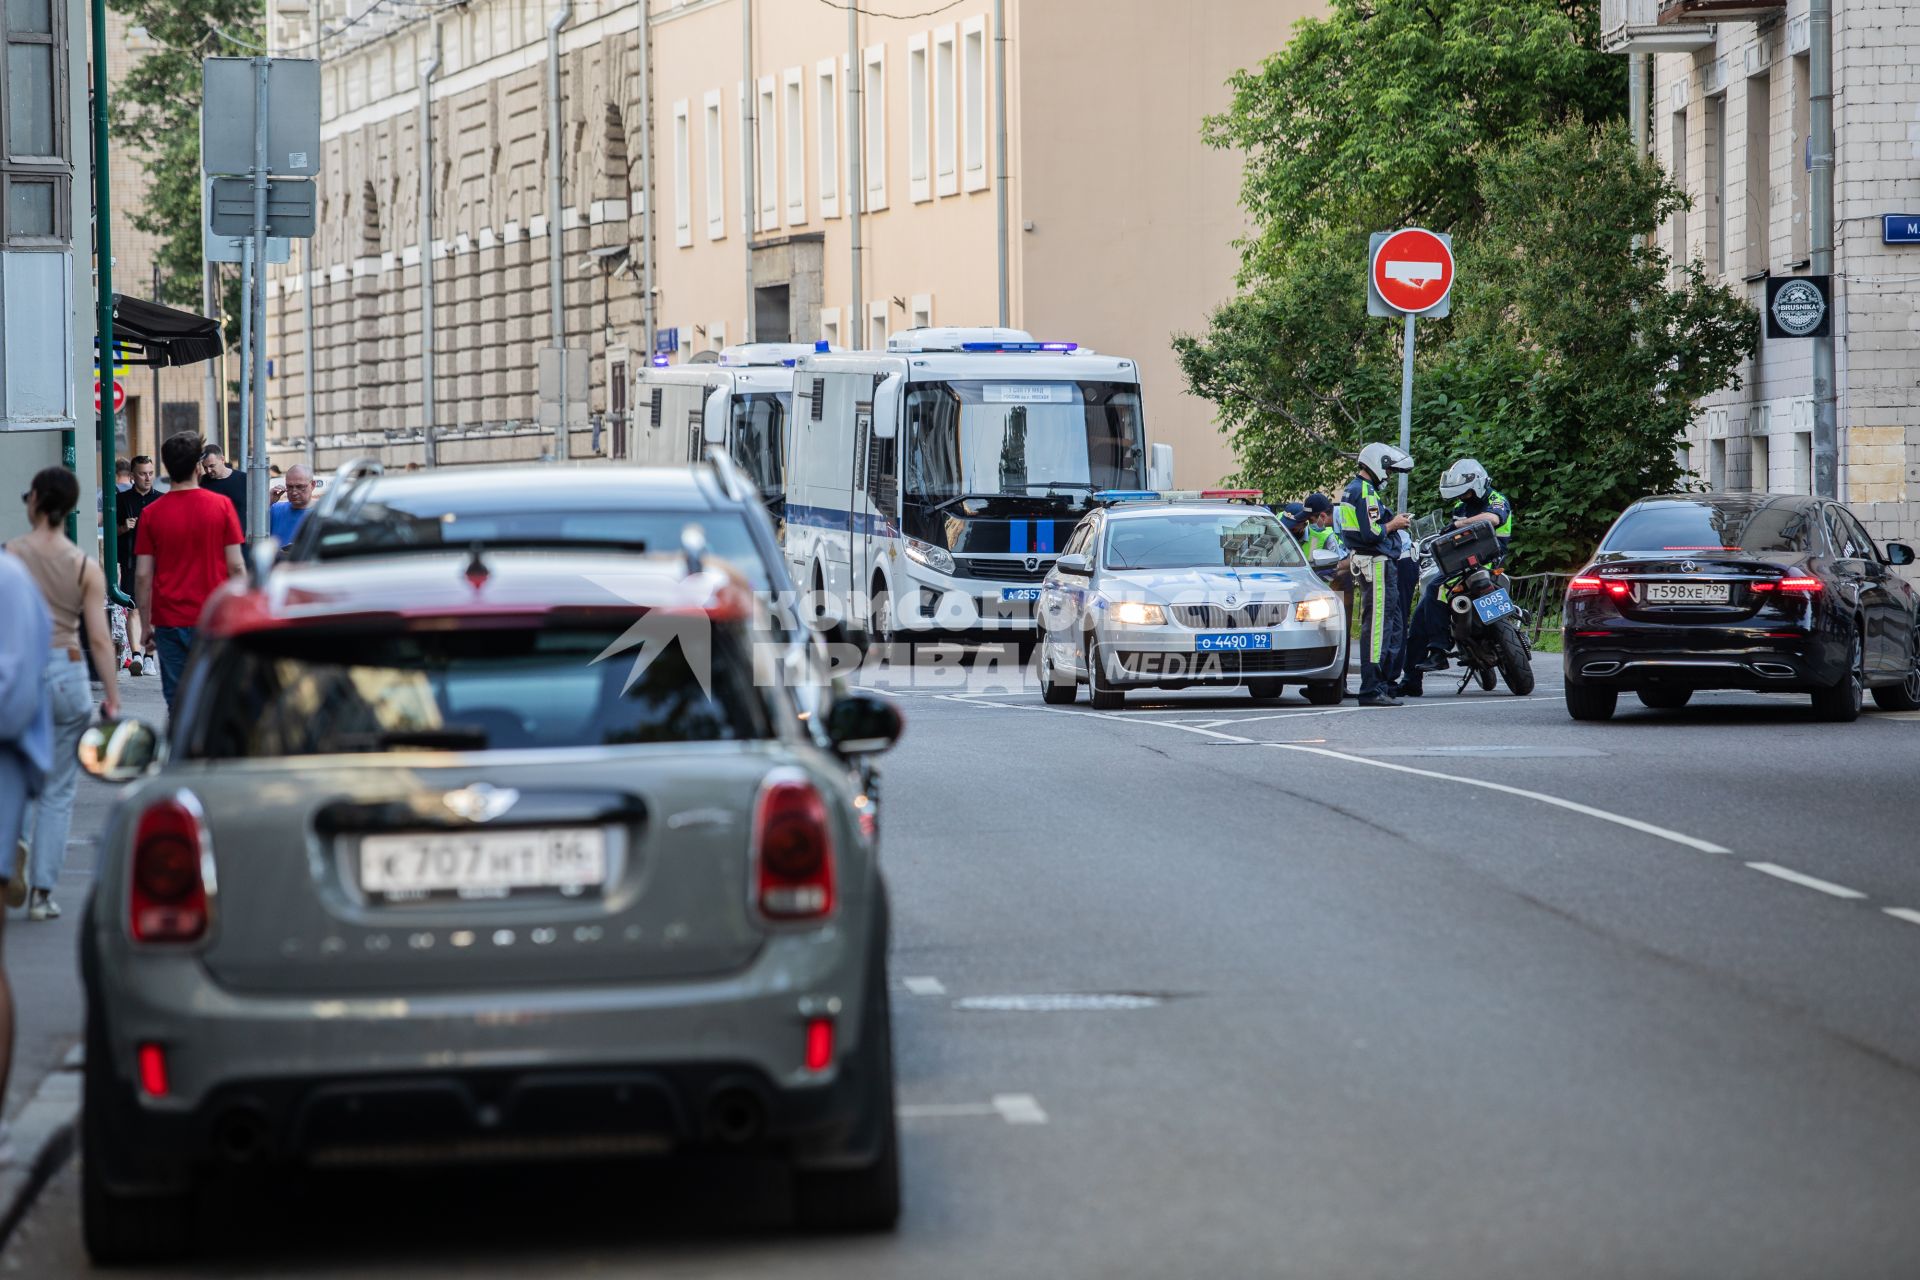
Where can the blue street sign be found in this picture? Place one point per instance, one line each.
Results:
(666, 340)
(1900, 228)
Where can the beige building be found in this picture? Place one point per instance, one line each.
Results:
(1119, 222)
(1730, 104)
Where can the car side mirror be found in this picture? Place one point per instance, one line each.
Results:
(862, 724)
(1076, 563)
(1899, 553)
(121, 750)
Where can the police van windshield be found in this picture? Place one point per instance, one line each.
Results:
(759, 428)
(1022, 438)
(1227, 540)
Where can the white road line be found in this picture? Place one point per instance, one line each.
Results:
(943, 1110)
(1903, 913)
(1791, 876)
(1573, 806)
(924, 986)
(1018, 1108)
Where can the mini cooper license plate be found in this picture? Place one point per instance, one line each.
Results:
(1235, 641)
(570, 861)
(1687, 593)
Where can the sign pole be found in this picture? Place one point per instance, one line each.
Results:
(1406, 409)
(257, 463)
(246, 352)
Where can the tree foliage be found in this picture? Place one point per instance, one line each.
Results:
(1574, 351)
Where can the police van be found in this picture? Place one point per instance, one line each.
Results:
(742, 402)
(931, 486)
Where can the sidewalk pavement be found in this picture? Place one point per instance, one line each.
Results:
(42, 961)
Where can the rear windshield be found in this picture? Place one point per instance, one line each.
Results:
(300, 694)
(1694, 528)
(1228, 539)
(378, 529)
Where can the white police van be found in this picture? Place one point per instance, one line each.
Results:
(931, 486)
(742, 402)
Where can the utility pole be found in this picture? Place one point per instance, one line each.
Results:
(1000, 151)
(428, 68)
(1826, 443)
(648, 321)
(856, 190)
(257, 308)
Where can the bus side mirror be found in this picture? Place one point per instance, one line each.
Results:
(713, 421)
(886, 408)
(1160, 467)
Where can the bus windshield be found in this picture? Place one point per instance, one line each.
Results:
(759, 427)
(1022, 438)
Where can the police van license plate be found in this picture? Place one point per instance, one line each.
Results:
(1494, 606)
(483, 864)
(1213, 641)
(1019, 593)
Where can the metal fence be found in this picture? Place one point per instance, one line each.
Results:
(1540, 596)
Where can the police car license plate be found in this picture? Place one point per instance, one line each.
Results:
(1494, 606)
(1211, 641)
(1019, 593)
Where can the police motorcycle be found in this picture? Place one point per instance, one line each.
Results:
(1486, 623)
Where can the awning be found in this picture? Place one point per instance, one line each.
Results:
(164, 336)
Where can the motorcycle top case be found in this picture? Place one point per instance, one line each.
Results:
(1464, 548)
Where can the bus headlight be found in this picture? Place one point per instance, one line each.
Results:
(1317, 609)
(935, 558)
(1135, 613)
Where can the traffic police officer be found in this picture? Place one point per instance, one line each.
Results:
(1368, 531)
(1475, 500)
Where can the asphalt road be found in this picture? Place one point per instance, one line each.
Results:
(1208, 989)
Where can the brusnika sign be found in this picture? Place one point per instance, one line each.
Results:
(1900, 228)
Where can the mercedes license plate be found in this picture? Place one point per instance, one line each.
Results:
(1211, 641)
(1687, 593)
(483, 864)
(1019, 593)
(1494, 605)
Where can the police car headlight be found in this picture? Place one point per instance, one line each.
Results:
(1317, 609)
(1136, 614)
(925, 553)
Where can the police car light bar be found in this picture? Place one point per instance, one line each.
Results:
(1125, 495)
(999, 347)
(1233, 495)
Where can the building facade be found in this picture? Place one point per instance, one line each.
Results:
(1119, 223)
(1730, 92)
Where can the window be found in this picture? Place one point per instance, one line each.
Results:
(977, 437)
(767, 147)
(1701, 524)
(1226, 540)
(1797, 162)
(1855, 543)
(827, 122)
(873, 101)
(921, 310)
(1678, 166)
(33, 105)
(830, 325)
(918, 186)
(1716, 180)
(946, 178)
(716, 337)
(877, 326)
(1802, 478)
(1759, 176)
(716, 144)
(974, 106)
(1717, 464)
(796, 128)
(1761, 465)
(682, 177)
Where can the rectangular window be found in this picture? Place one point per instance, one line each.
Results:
(767, 145)
(1759, 176)
(1797, 161)
(796, 132)
(1678, 168)
(716, 337)
(877, 326)
(873, 105)
(716, 146)
(682, 176)
(827, 122)
(1800, 479)
(30, 99)
(1716, 185)
(922, 310)
(33, 208)
(1716, 464)
(918, 186)
(946, 177)
(1762, 479)
(973, 70)
(830, 325)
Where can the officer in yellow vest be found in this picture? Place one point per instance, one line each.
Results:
(1367, 528)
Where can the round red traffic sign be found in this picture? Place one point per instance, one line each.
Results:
(119, 396)
(1413, 270)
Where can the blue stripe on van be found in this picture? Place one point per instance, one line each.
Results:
(1018, 540)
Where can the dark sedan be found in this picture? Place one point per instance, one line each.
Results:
(1741, 591)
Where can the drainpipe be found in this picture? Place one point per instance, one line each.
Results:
(306, 356)
(556, 300)
(749, 147)
(1826, 444)
(856, 188)
(1637, 66)
(648, 321)
(428, 69)
(1000, 148)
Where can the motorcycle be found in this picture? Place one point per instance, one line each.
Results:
(1487, 625)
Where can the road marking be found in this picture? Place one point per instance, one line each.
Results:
(1060, 1003)
(1903, 913)
(1791, 876)
(1572, 806)
(924, 986)
(943, 1110)
(1018, 1108)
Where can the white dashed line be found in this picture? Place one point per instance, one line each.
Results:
(1903, 913)
(923, 986)
(1018, 1108)
(1791, 876)
(945, 1110)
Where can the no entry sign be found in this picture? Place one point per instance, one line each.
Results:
(1412, 270)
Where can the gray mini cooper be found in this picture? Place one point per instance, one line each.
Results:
(466, 856)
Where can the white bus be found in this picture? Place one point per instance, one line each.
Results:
(741, 402)
(931, 486)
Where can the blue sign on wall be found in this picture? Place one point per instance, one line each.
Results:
(1900, 228)
(666, 341)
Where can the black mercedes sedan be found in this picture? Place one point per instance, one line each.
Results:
(1741, 591)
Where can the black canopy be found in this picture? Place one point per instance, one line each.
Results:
(164, 335)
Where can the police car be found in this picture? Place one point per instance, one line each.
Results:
(1173, 590)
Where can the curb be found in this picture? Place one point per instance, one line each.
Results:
(43, 1134)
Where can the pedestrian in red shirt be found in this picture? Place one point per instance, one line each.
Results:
(187, 545)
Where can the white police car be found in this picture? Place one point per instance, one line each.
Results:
(1174, 590)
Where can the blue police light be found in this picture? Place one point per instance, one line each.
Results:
(1126, 495)
(821, 347)
(1003, 347)
(661, 362)
(788, 363)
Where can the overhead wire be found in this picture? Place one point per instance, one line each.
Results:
(843, 6)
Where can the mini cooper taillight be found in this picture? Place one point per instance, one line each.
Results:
(793, 851)
(168, 902)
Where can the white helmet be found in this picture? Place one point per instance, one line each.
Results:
(1381, 460)
(1465, 477)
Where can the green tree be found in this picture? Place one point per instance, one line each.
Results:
(156, 115)
(1574, 351)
